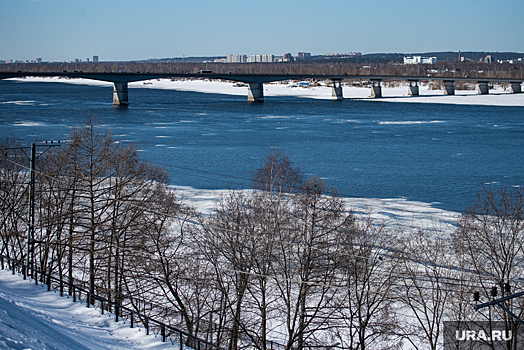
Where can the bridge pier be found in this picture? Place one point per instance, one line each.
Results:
(376, 89)
(120, 95)
(449, 88)
(413, 88)
(255, 92)
(516, 88)
(336, 94)
(483, 88)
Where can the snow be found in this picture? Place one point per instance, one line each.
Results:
(33, 318)
(496, 97)
(394, 212)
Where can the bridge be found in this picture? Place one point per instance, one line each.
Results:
(255, 82)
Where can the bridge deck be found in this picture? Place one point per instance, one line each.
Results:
(256, 81)
(245, 78)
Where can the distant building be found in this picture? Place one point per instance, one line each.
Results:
(236, 59)
(487, 59)
(303, 55)
(95, 59)
(287, 57)
(419, 60)
(261, 58)
(268, 58)
(38, 60)
(87, 59)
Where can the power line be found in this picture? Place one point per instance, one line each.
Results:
(199, 223)
(31, 212)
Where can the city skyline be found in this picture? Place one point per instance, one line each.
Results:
(61, 30)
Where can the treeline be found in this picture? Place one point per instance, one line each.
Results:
(286, 262)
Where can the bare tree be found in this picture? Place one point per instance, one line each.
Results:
(53, 194)
(306, 263)
(429, 284)
(14, 190)
(180, 274)
(490, 238)
(227, 244)
(97, 191)
(277, 175)
(369, 265)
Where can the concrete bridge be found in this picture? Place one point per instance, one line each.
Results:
(255, 82)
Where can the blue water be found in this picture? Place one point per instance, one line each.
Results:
(434, 153)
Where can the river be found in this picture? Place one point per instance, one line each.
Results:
(433, 153)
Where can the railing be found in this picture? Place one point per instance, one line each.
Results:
(167, 332)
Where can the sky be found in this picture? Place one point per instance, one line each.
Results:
(60, 30)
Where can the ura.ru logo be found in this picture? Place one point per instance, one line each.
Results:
(480, 335)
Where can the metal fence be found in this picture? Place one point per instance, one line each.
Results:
(152, 326)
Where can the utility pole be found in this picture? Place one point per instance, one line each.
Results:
(31, 219)
(499, 303)
(31, 212)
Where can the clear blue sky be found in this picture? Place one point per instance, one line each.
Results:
(57, 30)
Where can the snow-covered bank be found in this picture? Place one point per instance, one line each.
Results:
(395, 213)
(33, 318)
(497, 96)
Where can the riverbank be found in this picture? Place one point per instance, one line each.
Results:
(497, 96)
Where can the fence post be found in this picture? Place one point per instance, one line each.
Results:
(28, 272)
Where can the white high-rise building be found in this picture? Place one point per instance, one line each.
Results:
(419, 60)
(236, 58)
(268, 58)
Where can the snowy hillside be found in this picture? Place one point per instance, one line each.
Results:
(33, 318)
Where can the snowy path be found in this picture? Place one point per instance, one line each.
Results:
(33, 318)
